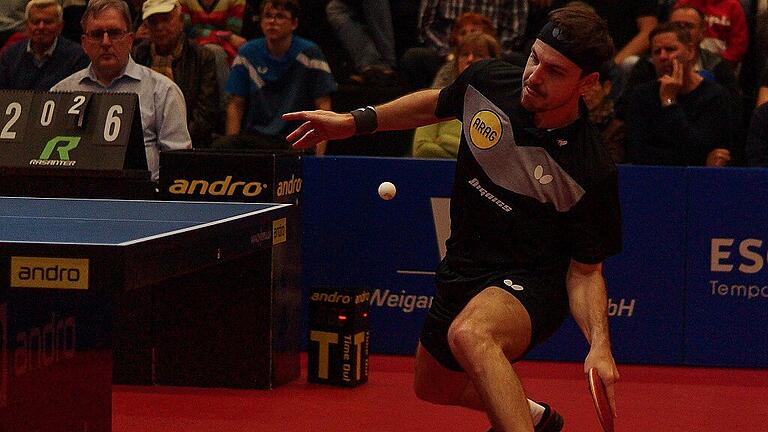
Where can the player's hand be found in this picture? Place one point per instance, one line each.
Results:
(319, 126)
(602, 360)
(670, 85)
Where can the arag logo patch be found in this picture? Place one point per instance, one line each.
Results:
(52, 273)
(485, 129)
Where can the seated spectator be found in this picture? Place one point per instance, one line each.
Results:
(756, 149)
(707, 63)
(272, 75)
(11, 21)
(364, 28)
(441, 140)
(216, 25)
(192, 67)
(466, 24)
(107, 40)
(727, 33)
(45, 58)
(216, 22)
(680, 119)
(436, 22)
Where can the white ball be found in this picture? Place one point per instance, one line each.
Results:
(387, 190)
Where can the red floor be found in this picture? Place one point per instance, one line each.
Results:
(650, 399)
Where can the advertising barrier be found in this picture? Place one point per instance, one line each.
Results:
(727, 292)
(688, 288)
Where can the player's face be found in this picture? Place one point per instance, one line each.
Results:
(551, 80)
(109, 54)
(664, 48)
(44, 25)
(277, 24)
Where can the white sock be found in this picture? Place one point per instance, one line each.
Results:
(537, 411)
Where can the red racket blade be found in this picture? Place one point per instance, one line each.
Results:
(600, 399)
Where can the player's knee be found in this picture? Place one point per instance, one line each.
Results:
(468, 338)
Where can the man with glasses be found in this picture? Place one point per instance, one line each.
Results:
(45, 58)
(107, 41)
(272, 75)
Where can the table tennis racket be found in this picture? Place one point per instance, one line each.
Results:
(600, 399)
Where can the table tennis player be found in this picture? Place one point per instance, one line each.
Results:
(534, 213)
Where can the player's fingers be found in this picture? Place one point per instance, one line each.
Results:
(310, 139)
(298, 115)
(299, 132)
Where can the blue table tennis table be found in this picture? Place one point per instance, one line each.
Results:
(96, 292)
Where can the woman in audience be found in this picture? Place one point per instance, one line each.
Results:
(441, 140)
(466, 24)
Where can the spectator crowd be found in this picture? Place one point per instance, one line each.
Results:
(687, 85)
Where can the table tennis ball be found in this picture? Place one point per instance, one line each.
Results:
(387, 191)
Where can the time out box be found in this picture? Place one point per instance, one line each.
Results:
(339, 336)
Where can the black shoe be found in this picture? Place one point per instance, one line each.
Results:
(551, 421)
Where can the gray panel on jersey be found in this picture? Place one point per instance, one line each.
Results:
(528, 171)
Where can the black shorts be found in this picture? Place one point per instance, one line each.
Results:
(544, 297)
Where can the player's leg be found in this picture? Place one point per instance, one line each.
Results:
(437, 384)
(493, 328)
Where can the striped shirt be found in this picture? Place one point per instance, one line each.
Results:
(508, 16)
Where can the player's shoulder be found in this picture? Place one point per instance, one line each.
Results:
(594, 160)
(491, 76)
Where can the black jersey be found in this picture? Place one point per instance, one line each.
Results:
(524, 200)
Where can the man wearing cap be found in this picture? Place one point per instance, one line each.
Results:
(193, 68)
(107, 41)
(45, 58)
(534, 212)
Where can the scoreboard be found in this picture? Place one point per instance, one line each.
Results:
(71, 130)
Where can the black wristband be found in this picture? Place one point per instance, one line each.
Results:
(366, 121)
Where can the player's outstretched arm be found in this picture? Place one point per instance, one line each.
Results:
(589, 307)
(407, 112)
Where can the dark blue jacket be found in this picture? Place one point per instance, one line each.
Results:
(18, 70)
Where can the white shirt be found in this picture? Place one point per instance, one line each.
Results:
(162, 106)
